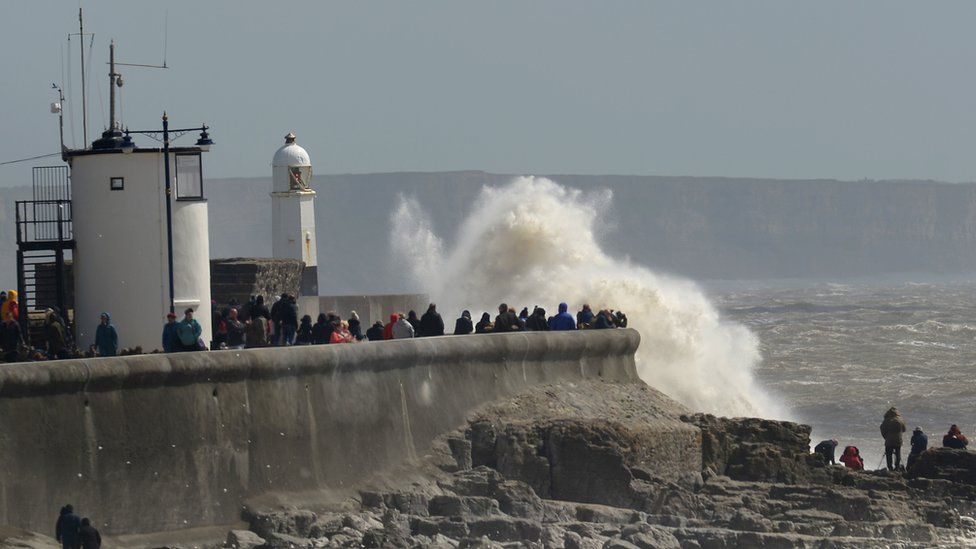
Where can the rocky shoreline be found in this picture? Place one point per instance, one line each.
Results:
(596, 464)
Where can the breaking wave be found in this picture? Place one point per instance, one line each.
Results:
(535, 242)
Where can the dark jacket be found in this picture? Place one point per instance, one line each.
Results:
(537, 321)
(107, 338)
(304, 335)
(826, 449)
(375, 333)
(507, 322)
(563, 320)
(257, 332)
(322, 330)
(920, 442)
(171, 342)
(57, 337)
(355, 327)
(414, 321)
(585, 316)
(67, 528)
(431, 324)
(289, 313)
(235, 332)
(260, 309)
(603, 323)
(484, 325)
(463, 326)
(89, 537)
(10, 337)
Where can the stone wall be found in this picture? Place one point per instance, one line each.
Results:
(162, 442)
(241, 277)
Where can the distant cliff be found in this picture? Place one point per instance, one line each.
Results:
(705, 228)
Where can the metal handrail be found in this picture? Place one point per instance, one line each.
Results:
(44, 221)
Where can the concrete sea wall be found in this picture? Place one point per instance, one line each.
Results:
(161, 442)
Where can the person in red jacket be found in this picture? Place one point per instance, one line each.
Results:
(852, 458)
(388, 329)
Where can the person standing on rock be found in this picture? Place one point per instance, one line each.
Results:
(431, 324)
(826, 449)
(68, 528)
(893, 429)
(920, 443)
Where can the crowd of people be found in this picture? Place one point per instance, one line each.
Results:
(74, 532)
(893, 429)
(254, 324)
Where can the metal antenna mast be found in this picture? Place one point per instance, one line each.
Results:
(84, 104)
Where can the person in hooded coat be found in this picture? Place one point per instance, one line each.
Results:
(322, 331)
(56, 335)
(10, 306)
(852, 458)
(562, 321)
(170, 341)
(484, 325)
(388, 329)
(955, 439)
(893, 429)
(463, 325)
(537, 321)
(257, 332)
(304, 336)
(106, 336)
(919, 443)
(88, 536)
(414, 321)
(375, 333)
(604, 321)
(67, 528)
(355, 326)
(431, 324)
(259, 309)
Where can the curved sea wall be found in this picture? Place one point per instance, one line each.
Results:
(161, 442)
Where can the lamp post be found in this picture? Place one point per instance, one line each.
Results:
(204, 143)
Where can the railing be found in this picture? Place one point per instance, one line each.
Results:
(44, 221)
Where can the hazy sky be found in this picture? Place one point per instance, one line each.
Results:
(875, 89)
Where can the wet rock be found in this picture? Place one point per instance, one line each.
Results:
(431, 526)
(506, 529)
(461, 452)
(482, 542)
(276, 540)
(326, 525)
(293, 522)
(243, 539)
(958, 466)
(449, 505)
(518, 499)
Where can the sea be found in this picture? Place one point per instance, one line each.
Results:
(837, 355)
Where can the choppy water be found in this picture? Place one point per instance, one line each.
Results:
(839, 355)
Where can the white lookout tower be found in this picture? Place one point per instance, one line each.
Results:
(141, 231)
(293, 216)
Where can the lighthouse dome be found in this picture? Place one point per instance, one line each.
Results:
(291, 154)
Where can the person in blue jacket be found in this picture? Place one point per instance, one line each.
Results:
(188, 332)
(171, 342)
(106, 337)
(920, 443)
(562, 320)
(67, 528)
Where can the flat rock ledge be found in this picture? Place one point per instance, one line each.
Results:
(605, 465)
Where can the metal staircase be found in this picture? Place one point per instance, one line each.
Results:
(45, 241)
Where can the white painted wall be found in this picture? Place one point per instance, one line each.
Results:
(120, 259)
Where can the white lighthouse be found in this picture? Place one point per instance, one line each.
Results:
(293, 216)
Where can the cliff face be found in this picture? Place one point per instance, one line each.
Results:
(704, 228)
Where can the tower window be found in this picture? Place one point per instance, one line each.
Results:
(189, 177)
(117, 183)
